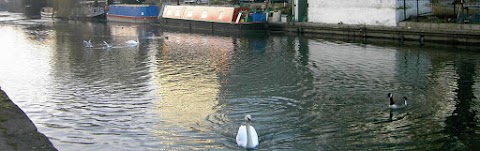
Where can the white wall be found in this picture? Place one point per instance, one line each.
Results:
(364, 12)
(367, 12)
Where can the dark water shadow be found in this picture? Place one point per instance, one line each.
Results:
(462, 124)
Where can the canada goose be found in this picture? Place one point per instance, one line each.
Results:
(396, 106)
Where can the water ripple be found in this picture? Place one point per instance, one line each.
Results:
(192, 91)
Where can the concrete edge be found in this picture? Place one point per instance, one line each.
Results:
(17, 131)
(400, 34)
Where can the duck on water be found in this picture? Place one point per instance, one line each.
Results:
(396, 106)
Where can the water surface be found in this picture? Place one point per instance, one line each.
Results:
(190, 91)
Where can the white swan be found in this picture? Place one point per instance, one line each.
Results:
(108, 45)
(132, 42)
(395, 106)
(247, 136)
(88, 43)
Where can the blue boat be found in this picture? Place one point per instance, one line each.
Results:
(133, 13)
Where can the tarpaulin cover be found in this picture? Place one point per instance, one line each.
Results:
(258, 17)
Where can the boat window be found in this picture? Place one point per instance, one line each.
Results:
(220, 15)
(204, 14)
(190, 13)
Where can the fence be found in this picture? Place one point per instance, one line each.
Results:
(459, 11)
(413, 8)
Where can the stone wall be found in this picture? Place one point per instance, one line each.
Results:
(440, 26)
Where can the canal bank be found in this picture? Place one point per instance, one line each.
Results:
(454, 34)
(17, 132)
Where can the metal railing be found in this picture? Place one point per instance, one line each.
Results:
(413, 8)
(460, 11)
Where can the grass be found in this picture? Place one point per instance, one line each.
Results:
(5, 105)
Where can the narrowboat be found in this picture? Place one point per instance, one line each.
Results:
(213, 18)
(84, 9)
(89, 9)
(133, 13)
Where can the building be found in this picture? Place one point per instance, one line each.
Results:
(359, 12)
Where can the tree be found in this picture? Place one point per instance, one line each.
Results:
(234, 2)
(64, 8)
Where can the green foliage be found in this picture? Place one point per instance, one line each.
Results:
(278, 6)
(234, 2)
(151, 2)
(3, 119)
(215, 2)
(288, 10)
(402, 7)
(63, 8)
(5, 106)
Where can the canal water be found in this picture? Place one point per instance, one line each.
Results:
(191, 91)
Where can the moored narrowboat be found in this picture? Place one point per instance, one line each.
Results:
(133, 13)
(213, 18)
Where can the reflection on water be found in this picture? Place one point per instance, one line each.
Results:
(189, 66)
(462, 123)
(191, 91)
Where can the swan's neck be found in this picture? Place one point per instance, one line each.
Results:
(406, 103)
(249, 139)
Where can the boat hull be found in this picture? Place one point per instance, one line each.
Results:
(133, 13)
(212, 18)
(192, 25)
(130, 19)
